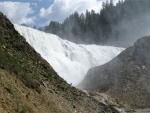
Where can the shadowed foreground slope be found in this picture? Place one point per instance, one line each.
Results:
(28, 84)
(126, 77)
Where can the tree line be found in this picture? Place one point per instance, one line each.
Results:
(117, 25)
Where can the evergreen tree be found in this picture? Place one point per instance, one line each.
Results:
(112, 26)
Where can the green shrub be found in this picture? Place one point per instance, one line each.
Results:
(30, 82)
(9, 90)
(24, 110)
(12, 64)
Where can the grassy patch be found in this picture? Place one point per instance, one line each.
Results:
(9, 62)
(20, 109)
(24, 110)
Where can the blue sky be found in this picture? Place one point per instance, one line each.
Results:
(41, 12)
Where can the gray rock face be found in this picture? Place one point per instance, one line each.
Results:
(126, 77)
(142, 50)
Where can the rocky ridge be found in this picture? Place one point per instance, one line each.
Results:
(125, 78)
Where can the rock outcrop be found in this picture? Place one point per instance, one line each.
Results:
(126, 77)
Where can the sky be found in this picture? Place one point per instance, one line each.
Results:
(41, 12)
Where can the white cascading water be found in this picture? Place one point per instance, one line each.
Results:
(70, 61)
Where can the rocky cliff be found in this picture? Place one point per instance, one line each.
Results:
(28, 84)
(126, 77)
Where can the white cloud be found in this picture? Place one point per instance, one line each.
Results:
(34, 4)
(17, 12)
(61, 9)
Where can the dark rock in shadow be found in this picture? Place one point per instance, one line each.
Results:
(126, 77)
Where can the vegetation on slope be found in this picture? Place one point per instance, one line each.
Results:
(28, 84)
(18, 57)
